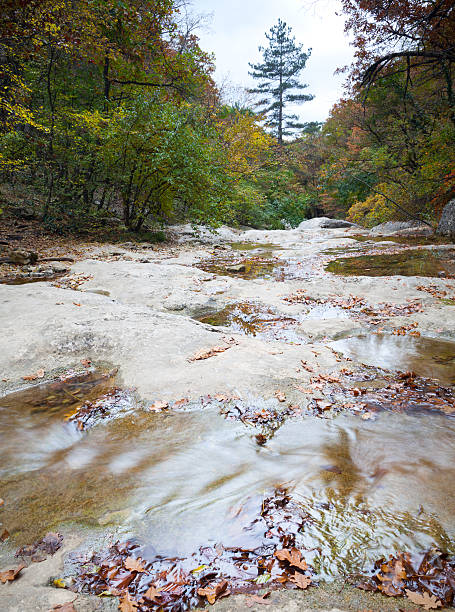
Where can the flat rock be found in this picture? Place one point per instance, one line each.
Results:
(324, 222)
(446, 226)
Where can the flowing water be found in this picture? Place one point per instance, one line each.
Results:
(428, 357)
(182, 479)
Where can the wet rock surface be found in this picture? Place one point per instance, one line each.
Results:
(233, 392)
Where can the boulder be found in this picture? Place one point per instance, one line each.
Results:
(21, 257)
(397, 226)
(324, 222)
(446, 226)
(236, 268)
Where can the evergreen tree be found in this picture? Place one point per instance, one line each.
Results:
(283, 60)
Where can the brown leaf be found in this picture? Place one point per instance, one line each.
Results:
(153, 593)
(134, 565)
(429, 602)
(30, 377)
(127, 603)
(281, 397)
(86, 363)
(293, 557)
(40, 373)
(212, 592)
(158, 406)
(303, 582)
(206, 353)
(66, 607)
(10, 575)
(4, 536)
(258, 599)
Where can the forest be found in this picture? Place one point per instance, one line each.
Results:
(110, 120)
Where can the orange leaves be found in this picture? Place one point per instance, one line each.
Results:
(38, 374)
(303, 582)
(158, 406)
(215, 591)
(281, 397)
(293, 557)
(258, 599)
(127, 603)
(12, 574)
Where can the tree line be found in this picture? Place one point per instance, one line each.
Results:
(109, 114)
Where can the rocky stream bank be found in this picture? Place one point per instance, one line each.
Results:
(186, 416)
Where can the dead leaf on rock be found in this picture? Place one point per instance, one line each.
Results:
(206, 353)
(281, 397)
(46, 546)
(158, 406)
(10, 575)
(86, 363)
(134, 565)
(429, 602)
(258, 599)
(66, 607)
(215, 591)
(4, 536)
(303, 582)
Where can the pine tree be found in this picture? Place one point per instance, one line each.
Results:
(283, 60)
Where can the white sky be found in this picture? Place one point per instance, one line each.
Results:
(236, 29)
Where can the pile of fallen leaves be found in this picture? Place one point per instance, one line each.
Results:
(74, 281)
(427, 579)
(144, 580)
(405, 330)
(105, 407)
(42, 548)
(435, 291)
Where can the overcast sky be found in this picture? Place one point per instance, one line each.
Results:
(236, 29)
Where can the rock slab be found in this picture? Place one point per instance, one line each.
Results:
(446, 225)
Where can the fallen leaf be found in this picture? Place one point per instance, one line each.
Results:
(47, 545)
(181, 402)
(40, 373)
(153, 593)
(212, 592)
(258, 599)
(4, 536)
(206, 353)
(30, 377)
(10, 575)
(281, 397)
(1, 502)
(134, 565)
(303, 582)
(158, 406)
(293, 557)
(366, 416)
(127, 604)
(86, 363)
(429, 602)
(66, 607)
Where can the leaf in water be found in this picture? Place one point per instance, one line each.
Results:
(263, 578)
(134, 565)
(199, 569)
(293, 557)
(127, 603)
(429, 602)
(303, 582)
(212, 592)
(153, 594)
(12, 574)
